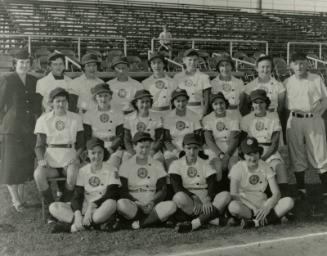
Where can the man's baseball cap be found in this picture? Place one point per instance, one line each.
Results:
(55, 55)
(141, 94)
(89, 58)
(259, 94)
(191, 52)
(100, 88)
(179, 92)
(58, 92)
(119, 60)
(218, 95)
(192, 138)
(93, 142)
(156, 55)
(21, 54)
(141, 136)
(298, 56)
(250, 145)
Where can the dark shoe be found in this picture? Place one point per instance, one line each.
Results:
(184, 227)
(233, 222)
(168, 224)
(247, 224)
(61, 227)
(300, 196)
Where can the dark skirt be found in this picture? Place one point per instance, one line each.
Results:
(17, 158)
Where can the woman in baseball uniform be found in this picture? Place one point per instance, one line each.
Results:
(95, 193)
(178, 122)
(60, 141)
(265, 127)
(104, 123)
(227, 84)
(196, 83)
(249, 180)
(195, 186)
(123, 86)
(143, 120)
(222, 135)
(144, 186)
(159, 84)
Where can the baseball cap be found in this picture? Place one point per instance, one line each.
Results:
(179, 92)
(192, 138)
(99, 88)
(119, 60)
(156, 55)
(58, 92)
(141, 94)
(191, 52)
(259, 94)
(141, 136)
(224, 58)
(298, 56)
(21, 53)
(218, 95)
(55, 55)
(89, 58)
(93, 142)
(250, 145)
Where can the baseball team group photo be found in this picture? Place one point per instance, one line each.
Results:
(163, 127)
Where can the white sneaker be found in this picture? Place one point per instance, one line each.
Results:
(214, 222)
(136, 224)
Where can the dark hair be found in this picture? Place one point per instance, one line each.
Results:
(83, 66)
(14, 62)
(268, 102)
(165, 63)
(106, 156)
(62, 94)
(142, 140)
(241, 154)
(298, 56)
(133, 103)
(172, 106)
(263, 58)
(58, 56)
(230, 62)
(210, 108)
(201, 154)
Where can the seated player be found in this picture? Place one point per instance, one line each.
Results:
(228, 84)
(195, 187)
(159, 84)
(177, 123)
(144, 187)
(95, 194)
(249, 180)
(60, 141)
(222, 135)
(104, 123)
(265, 127)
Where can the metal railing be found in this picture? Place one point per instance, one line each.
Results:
(69, 60)
(316, 61)
(237, 61)
(319, 44)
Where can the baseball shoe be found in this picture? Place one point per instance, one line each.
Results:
(247, 224)
(61, 227)
(136, 225)
(233, 222)
(215, 222)
(184, 227)
(300, 196)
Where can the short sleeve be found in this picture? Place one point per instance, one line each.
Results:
(323, 88)
(113, 176)
(281, 88)
(270, 172)
(236, 172)
(234, 124)
(124, 169)
(174, 168)
(209, 170)
(206, 82)
(277, 126)
(127, 124)
(39, 126)
(79, 124)
(39, 88)
(160, 170)
(197, 124)
(206, 123)
(244, 123)
(240, 85)
(249, 88)
(87, 118)
(80, 176)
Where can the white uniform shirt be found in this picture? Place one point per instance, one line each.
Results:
(165, 37)
(142, 179)
(273, 89)
(82, 86)
(161, 90)
(194, 177)
(136, 123)
(252, 184)
(194, 85)
(304, 94)
(95, 183)
(221, 127)
(123, 93)
(230, 89)
(46, 84)
(181, 125)
(59, 130)
(103, 123)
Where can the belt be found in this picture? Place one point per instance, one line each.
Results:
(60, 146)
(272, 110)
(141, 190)
(164, 108)
(233, 107)
(265, 144)
(193, 104)
(302, 115)
(197, 188)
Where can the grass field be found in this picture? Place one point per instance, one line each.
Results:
(30, 236)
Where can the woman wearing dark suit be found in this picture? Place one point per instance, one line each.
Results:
(20, 105)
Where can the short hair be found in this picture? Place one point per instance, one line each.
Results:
(298, 56)
(263, 58)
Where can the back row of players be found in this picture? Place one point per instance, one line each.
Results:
(174, 114)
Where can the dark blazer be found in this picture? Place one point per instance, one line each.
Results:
(20, 105)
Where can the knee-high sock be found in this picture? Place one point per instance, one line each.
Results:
(283, 189)
(272, 217)
(205, 218)
(152, 218)
(47, 196)
(299, 176)
(323, 178)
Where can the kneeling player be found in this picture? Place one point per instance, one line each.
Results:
(194, 183)
(249, 180)
(144, 186)
(95, 194)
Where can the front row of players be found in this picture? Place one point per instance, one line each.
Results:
(142, 194)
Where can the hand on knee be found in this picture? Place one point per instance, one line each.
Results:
(221, 200)
(181, 199)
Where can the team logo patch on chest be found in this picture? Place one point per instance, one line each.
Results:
(140, 126)
(160, 84)
(142, 173)
(220, 126)
(188, 83)
(227, 87)
(104, 118)
(192, 172)
(122, 93)
(254, 179)
(60, 125)
(94, 181)
(180, 125)
(259, 126)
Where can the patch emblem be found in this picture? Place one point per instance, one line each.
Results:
(140, 127)
(142, 173)
(249, 142)
(227, 87)
(60, 125)
(122, 93)
(180, 125)
(259, 126)
(104, 118)
(160, 84)
(188, 83)
(94, 181)
(254, 179)
(191, 172)
(220, 126)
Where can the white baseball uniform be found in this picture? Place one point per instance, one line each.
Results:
(59, 130)
(142, 179)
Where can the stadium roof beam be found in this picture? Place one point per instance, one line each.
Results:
(320, 44)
